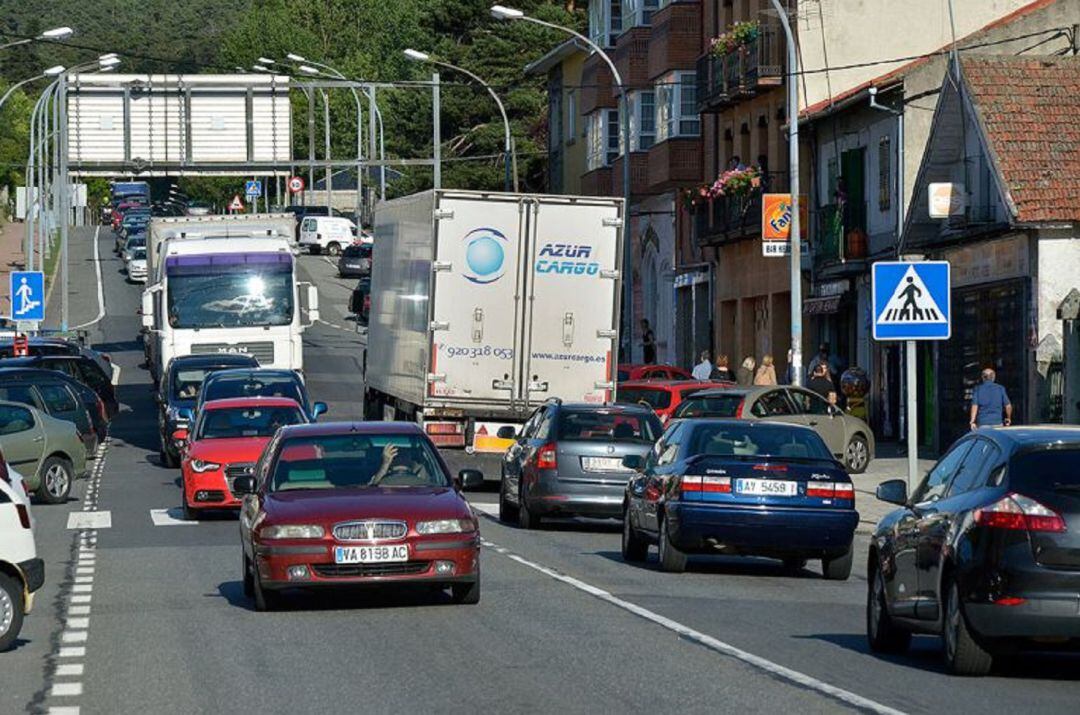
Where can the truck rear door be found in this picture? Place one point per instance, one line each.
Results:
(475, 317)
(571, 312)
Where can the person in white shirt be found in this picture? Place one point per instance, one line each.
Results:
(703, 370)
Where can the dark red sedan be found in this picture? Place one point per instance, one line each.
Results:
(351, 503)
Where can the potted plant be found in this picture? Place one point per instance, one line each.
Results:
(736, 182)
(737, 36)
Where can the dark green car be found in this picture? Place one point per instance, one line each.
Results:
(46, 451)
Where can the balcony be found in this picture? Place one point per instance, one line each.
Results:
(743, 73)
(674, 163)
(597, 182)
(730, 218)
(676, 37)
(639, 174)
(631, 56)
(840, 238)
(597, 87)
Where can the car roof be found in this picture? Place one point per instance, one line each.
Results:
(212, 360)
(253, 373)
(613, 407)
(741, 391)
(758, 425)
(667, 384)
(1031, 436)
(40, 340)
(240, 402)
(323, 429)
(34, 360)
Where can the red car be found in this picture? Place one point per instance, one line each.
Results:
(227, 439)
(652, 372)
(662, 395)
(354, 503)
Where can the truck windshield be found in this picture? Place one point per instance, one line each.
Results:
(230, 290)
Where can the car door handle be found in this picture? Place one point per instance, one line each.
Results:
(813, 424)
(39, 439)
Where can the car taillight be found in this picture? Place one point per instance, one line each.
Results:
(1016, 511)
(830, 490)
(24, 515)
(545, 457)
(697, 484)
(738, 410)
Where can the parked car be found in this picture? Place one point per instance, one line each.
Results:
(568, 460)
(225, 443)
(374, 499)
(199, 208)
(79, 367)
(299, 212)
(137, 269)
(258, 382)
(740, 488)
(45, 450)
(326, 234)
(133, 243)
(61, 346)
(627, 372)
(663, 396)
(355, 260)
(849, 438)
(360, 301)
(179, 390)
(985, 552)
(95, 408)
(56, 399)
(22, 572)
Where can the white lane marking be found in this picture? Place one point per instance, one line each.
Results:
(90, 520)
(100, 284)
(74, 636)
(756, 661)
(80, 623)
(485, 508)
(64, 710)
(69, 670)
(66, 689)
(170, 517)
(334, 325)
(75, 651)
(78, 610)
(82, 588)
(84, 579)
(81, 598)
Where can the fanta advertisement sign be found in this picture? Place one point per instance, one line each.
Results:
(776, 222)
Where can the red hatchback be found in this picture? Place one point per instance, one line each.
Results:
(662, 395)
(629, 372)
(354, 503)
(225, 442)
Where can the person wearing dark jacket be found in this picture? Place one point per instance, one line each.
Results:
(821, 383)
(745, 374)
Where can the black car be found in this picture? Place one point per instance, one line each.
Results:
(743, 488)
(57, 346)
(259, 382)
(984, 552)
(360, 301)
(99, 418)
(355, 261)
(79, 367)
(568, 460)
(178, 390)
(52, 394)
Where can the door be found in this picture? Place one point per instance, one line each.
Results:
(22, 440)
(658, 469)
(515, 454)
(61, 403)
(476, 315)
(814, 412)
(572, 311)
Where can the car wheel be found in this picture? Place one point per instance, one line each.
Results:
(466, 593)
(508, 513)
(882, 633)
(249, 580)
(56, 480)
(857, 455)
(838, 568)
(264, 600)
(634, 548)
(526, 518)
(11, 611)
(671, 559)
(334, 249)
(188, 513)
(963, 654)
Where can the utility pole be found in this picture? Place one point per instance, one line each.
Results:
(436, 132)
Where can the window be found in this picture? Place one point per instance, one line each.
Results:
(602, 138)
(571, 116)
(884, 157)
(933, 486)
(605, 21)
(676, 106)
(543, 431)
(58, 399)
(772, 404)
(638, 12)
(646, 124)
(972, 474)
(19, 393)
(656, 398)
(15, 419)
(809, 403)
(608, 427)
(612, 139)
(92, 375)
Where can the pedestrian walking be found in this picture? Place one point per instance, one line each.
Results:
(721, 371)
(821, 383)
(990, 406)
(766, 373)
(745, 374)
(703, 370)
(648, 343)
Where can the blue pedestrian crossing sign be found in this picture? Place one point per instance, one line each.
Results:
(27, 295)
(911, 300)
(253, 188)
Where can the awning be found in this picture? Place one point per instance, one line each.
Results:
(821, 306)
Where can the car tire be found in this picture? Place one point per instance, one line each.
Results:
(838, 568)
(56, 479)
(963, 654)
(526, 518)
(508, 513)
(634, 548)
(882, 634)
(334, 249)
(466, 593)
(857, 455)
(11, 611)
(264, 600)
(249, 579)
(671, 559)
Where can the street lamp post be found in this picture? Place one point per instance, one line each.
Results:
(57, 33)
(511, 181)
(500, 12)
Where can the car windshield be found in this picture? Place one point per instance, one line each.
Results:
(357, 251)
(230, 290)
(254, 386)
(654, 398)
(236, 422)
(756, 441)
(608, 426)
(356, 461)
(719, 406)
(136, 242)
(139, 254)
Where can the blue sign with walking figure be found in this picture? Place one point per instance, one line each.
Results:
(27, 295)
(253, 188)
(911, 300)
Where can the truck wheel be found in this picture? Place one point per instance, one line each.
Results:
(334, 249)
(11, 611)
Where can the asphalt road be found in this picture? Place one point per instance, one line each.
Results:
(564, 625)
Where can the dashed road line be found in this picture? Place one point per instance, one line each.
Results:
(686, 632)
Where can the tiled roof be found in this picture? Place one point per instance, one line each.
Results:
(1028, 108)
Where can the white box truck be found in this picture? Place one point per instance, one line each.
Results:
(485, 305)
(279, 225)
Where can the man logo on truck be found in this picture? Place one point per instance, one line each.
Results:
(567, 259)
(484, 255)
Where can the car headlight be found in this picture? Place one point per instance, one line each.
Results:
(200, 466)
(445, 526)
(293, 531)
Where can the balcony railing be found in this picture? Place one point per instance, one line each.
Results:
(723, 81)
(840, 236)
(727, 218)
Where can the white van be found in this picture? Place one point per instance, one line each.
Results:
(329, 234)
(21, 571)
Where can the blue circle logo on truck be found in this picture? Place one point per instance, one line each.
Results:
(484, 255)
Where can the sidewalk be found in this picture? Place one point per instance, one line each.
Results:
(11, 259)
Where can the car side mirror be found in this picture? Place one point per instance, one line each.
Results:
(506, 432)
(319, 408)
(633, 461)
(893, 491)
(469, 479)
(244, 485)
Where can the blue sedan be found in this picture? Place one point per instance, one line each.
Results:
(740, 488)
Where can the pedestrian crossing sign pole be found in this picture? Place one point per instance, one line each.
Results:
(911, 302)
(27, 296)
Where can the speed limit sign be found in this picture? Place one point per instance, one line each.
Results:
(296, 184)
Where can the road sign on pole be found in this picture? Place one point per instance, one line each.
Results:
(253, 189)
(27, 295)
(236, 204)
(296, 184)
(912, 302)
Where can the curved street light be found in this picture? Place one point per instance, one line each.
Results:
(56, 33)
